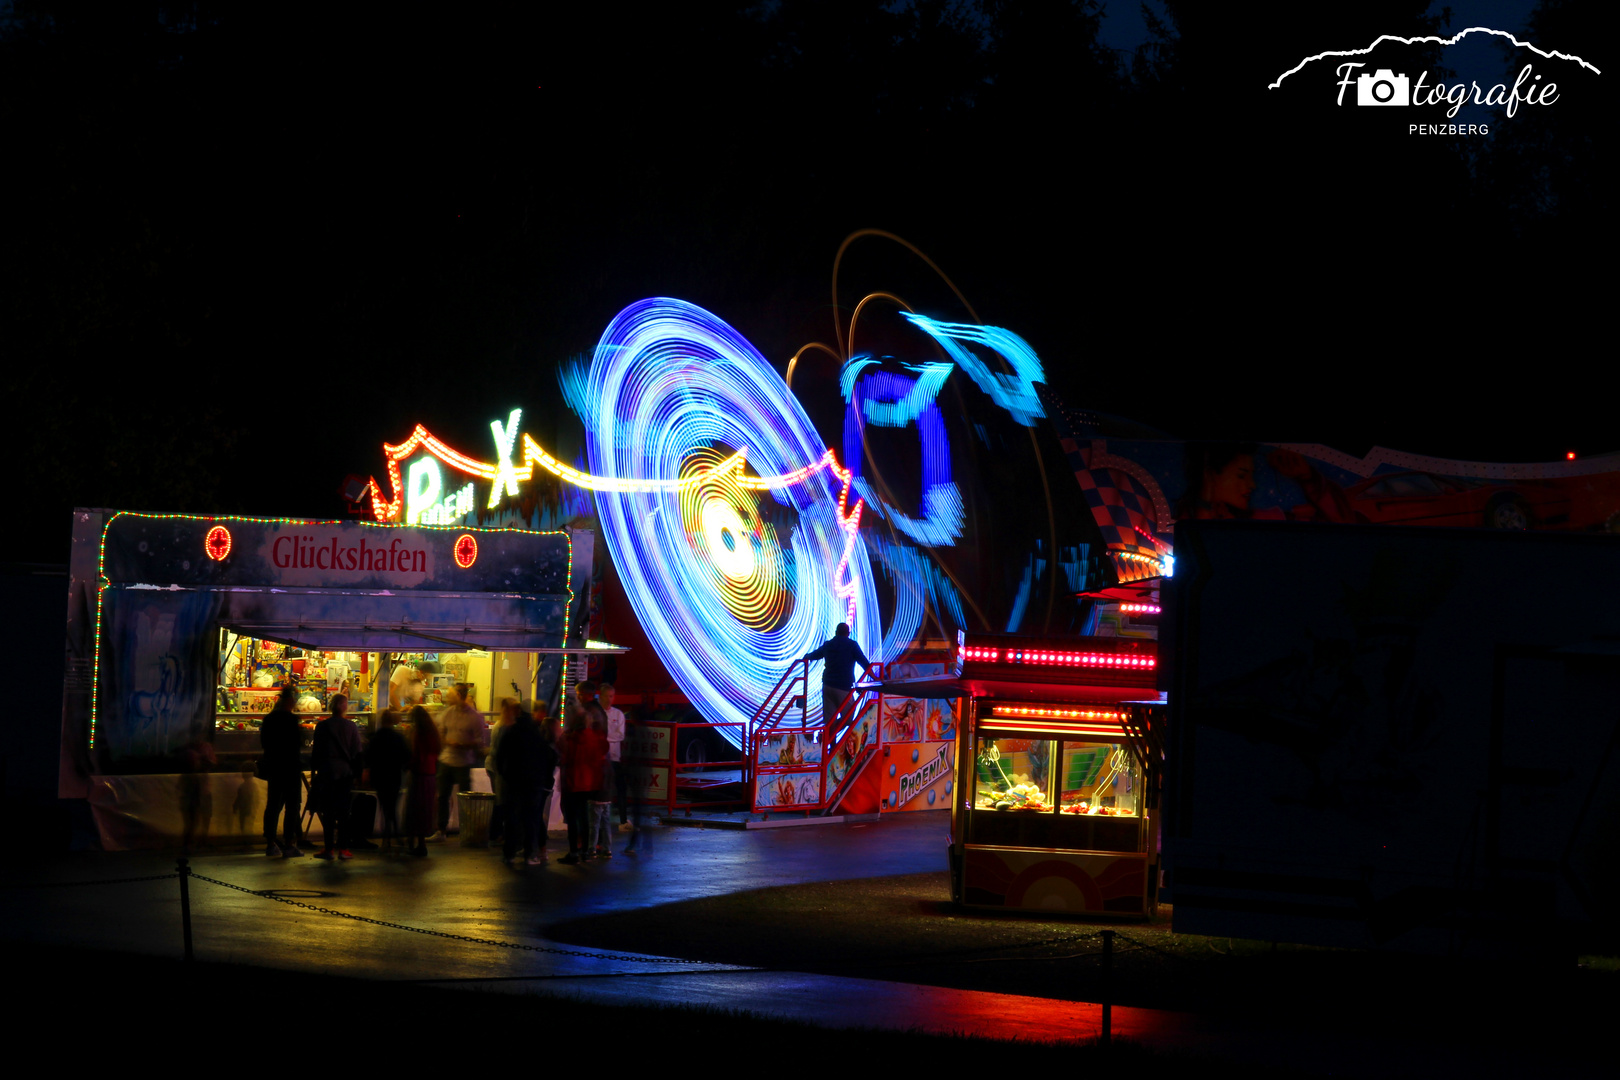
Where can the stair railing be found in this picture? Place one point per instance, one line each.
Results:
(856, 706)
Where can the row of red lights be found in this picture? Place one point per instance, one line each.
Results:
(1142, 609)
(1020, 656)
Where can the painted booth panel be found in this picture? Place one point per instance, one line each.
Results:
(1055, 881)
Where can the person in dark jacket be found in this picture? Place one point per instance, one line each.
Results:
(838, 673)
(526, 760)
(424, 780)
(498, 817)
(282, 740)
(337, 758)
(387, 757)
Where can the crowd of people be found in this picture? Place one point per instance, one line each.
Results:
(427, 758)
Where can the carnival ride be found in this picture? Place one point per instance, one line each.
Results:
(737, 532)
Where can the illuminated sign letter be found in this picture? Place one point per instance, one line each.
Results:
(505, 440)
(421, 489)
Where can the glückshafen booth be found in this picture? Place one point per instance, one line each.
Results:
(182, 628)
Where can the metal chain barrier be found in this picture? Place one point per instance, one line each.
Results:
(446, 934)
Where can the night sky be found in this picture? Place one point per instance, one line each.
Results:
(248, 243)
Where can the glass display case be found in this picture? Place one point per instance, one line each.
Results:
(1035, 791)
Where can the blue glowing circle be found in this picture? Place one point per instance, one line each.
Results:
(670, 380)
(930, 796)
(947, 787)
(914, 755)
(891, 768)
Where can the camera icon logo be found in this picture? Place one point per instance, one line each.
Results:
(1383, 87)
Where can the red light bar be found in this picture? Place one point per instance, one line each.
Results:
(1057, 712)
(1067, 658)
(1115, 661)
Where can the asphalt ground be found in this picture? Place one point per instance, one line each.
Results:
(846, 926)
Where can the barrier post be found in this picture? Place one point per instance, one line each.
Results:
(185, 903)
(1107, 977)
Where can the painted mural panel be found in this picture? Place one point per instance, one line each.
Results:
(1056, 881)
(791, 748)
(786, 791)
(156, 679)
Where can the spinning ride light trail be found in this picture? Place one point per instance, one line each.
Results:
(676, 394)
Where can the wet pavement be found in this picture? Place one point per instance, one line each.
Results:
(455, 890)
(653, 929)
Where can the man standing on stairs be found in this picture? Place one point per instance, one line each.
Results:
(838, 673)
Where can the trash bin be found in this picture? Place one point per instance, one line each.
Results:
(475, 808)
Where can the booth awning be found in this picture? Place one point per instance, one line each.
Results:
(416, 638)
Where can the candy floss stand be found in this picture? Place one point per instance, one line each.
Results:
(1057, 771)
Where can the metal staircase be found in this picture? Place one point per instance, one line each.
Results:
(800, 765)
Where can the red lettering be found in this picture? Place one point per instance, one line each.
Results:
(336, 560)
(275, 552)
(419, 562)
(320, 561)
(348, 556)
(306, 556)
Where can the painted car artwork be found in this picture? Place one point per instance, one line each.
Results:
(1138, 488)
(1421, 498)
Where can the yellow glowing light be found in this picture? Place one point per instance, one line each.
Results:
(505, 474)
(724, 527)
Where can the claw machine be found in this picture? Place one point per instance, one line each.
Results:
(1058, 763)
